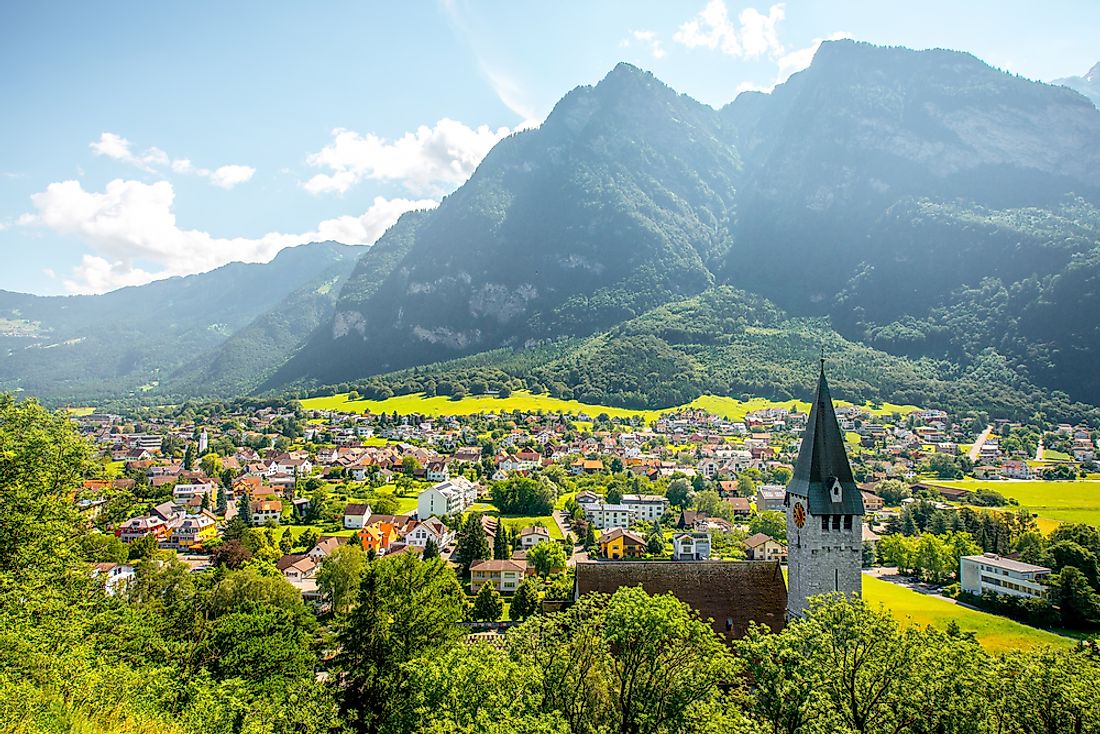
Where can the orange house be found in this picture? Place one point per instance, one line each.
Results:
(378, 537)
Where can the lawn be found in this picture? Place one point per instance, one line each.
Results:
(729, 408)
(1077, 501)
(547, 521)
(995, 633)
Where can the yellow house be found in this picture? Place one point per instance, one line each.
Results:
(194, 531)
(619, 543)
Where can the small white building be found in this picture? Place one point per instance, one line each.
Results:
(532, 536)
(356, 516)
(990, 572)
(691, 546)
(430, 529)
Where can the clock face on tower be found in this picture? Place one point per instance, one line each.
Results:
(799, 513)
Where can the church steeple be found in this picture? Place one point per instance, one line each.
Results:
(824, 511)
(822, 464)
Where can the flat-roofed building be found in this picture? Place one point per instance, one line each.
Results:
(990, 572)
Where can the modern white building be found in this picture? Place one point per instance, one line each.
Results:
(990, 572)
(446, 498)
(431, 529)
(691, 546)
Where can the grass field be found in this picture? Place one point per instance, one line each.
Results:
(80, 411)
(729, 408)
(995, 633)
(547, 521)
(1052, 501)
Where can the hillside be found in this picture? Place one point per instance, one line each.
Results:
(726, 342)
(80, 348)
(925, 204)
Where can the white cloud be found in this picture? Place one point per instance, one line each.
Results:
(713, 28)
(430, 160)
(153, 159)
(649, 39)
(134, 236)
(229, 176)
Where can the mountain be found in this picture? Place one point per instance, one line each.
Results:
(618, 202)
(1088, 85)
(925, 204)
(210, 326)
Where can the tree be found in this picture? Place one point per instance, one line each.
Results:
(589, 536)
(525, 601)
(188, 457)
(710, 502)
(893, 491)
(232, 554)
(407, 608)
(679, 492)
(614, 495)
(43, 461)
(502, 550)
(488, 606)
(410, 465)
(286, 542)
(211, 465)
(770, 522)
(339, 576)
(655, 540)
(1074, 595)
(431, 550)
(472, 543)
(663, 660)
(546, 557)
(307, 539)
(525, 496)
(244, 509)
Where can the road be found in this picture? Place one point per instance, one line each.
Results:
(977, 447)
(1040, 451)
(578, 553)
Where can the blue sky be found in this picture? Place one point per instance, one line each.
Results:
(149, 139)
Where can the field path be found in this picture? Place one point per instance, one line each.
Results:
(1040, 451)
(979, 442)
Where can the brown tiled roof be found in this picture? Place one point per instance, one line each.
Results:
(737, 592)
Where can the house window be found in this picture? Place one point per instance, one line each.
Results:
(847, 522)
(825, 523)
(836, 522)
(729, 624)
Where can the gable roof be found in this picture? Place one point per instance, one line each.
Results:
(737, 592)
(823, 458)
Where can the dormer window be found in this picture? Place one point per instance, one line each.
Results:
(834, 489)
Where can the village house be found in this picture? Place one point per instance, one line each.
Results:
(430, 529)
(505, 575)
(194, 531)
(356, 515)
(619, 543)
(297, 567)
(762, 547)
(691, 546)
(770, 497)
(113, 575)
(264, 510)
(532, 536)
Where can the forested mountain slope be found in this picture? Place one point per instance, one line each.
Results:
(84, 348)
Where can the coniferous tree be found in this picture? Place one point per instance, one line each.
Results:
(501, 546)
(431, 550)
(472, 545)
(244, 509)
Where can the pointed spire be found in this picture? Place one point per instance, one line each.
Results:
(823, 459)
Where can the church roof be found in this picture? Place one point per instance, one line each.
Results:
(823, 459)
(729, 593)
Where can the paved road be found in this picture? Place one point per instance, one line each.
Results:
(977, 447)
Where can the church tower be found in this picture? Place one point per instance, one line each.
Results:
(824, 512)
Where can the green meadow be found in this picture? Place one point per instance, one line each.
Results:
(1077, 501)
(994, 632)
(729, 408)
